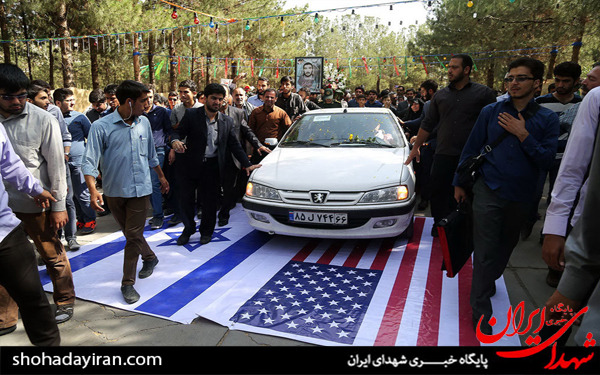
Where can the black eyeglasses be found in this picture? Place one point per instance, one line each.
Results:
(8, 97)
(518, 79)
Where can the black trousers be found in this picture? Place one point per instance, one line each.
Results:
(442, 191)
(230, 193)
(19, 276)
(205, 178)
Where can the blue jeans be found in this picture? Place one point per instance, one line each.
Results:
(71, 226)
(81, 195)
(156, 197)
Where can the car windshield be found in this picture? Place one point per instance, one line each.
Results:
(344, 130)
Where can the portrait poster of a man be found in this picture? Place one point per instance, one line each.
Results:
(309, 73)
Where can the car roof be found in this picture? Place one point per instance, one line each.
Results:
(347, 110)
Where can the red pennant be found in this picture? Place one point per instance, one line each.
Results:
(396, 67)
(277, 71)
(424, 66)
(252, 66)
(364, 59)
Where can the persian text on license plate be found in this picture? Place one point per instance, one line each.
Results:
(319, 218)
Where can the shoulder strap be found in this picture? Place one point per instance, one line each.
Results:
(532, 109)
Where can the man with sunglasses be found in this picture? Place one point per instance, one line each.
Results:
(36, 138)
(506, 186)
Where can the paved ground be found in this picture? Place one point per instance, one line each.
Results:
(94, 324)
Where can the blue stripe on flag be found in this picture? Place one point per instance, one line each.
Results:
(85, 259)
(183, 291)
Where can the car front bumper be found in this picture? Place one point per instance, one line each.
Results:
(273, 217)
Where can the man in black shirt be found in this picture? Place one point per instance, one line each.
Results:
(289, 101)
(455, 109)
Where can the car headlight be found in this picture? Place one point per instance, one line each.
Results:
(392, 194)
(261, 191)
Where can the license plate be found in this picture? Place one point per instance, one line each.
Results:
(319, 218)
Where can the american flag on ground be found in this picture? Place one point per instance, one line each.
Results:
(327, 292)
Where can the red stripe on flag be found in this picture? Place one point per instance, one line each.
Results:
(432, 301)
(383, 254)
(388, 330)
(356, 254)
(328, 256)
(466, 334)
(306, 250)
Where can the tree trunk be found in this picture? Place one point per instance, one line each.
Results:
(172, 69)
(151, 42)
(51, 61)
(208, 56)
(4, 32)
(551, 62)
(26, 34)
(137, 76)
(65, 48)
(490, 76)
(94, 63)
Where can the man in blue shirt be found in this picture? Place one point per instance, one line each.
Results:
(160, 122)
(123, 144)
(508, 177)
(372, 100)
(79, 127)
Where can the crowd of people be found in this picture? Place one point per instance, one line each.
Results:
(190, 154)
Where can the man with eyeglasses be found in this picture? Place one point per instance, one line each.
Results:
(506, 186)
(36, 139)
(453, 111)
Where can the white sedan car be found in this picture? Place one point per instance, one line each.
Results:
(337, 173)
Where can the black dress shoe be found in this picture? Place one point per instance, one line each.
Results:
(204, 239)
(129, 294)
(147, 268)
(183, 239)
(223, 222)
(7, 330)
(485, 327)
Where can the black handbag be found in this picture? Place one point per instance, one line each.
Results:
(455, 233)
(468, 171)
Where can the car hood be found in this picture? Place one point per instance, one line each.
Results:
(332, 169)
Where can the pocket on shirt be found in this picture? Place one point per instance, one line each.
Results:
(144, 146)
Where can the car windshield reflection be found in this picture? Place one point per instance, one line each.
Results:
(344, 130)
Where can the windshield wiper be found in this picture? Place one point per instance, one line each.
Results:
(363, 143)
(303, 143)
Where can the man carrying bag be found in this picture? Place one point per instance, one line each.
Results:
(508, 177)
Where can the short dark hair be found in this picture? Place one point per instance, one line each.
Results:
(214, 88)
(286, 79)
(34, 90)
(173, 93)
(429, 84)
(360, 96)
(400, 86)
(568, 69)
(111, 89)
(535, 66)
(96, 96)
(61, 94)
(44, 84)
(189, 84)
(199, 94)
(12, 78)
(304, 89)
(373, 92)
(270, 89)
(360, 87)
(152, 86)
(261, 78)
(466, 60)
(412, 90)
(129, 89)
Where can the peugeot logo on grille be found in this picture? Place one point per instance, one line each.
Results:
(318, 197)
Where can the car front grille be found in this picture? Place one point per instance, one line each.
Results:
(333, 198)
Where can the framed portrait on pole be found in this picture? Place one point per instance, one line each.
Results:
(309, 73)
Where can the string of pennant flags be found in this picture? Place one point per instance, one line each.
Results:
(352, 65)
(214, 22)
